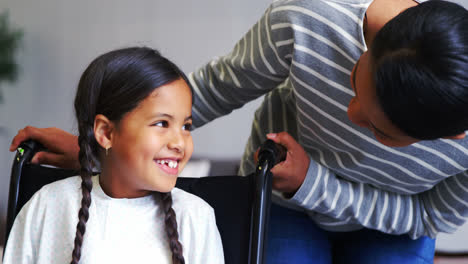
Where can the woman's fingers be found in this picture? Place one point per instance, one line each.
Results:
(62, 147)
(289, 175)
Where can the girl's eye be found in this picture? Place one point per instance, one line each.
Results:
(187, 127)
(161, 124)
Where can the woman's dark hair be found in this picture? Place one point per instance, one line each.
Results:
(420, 63)
(113, 85)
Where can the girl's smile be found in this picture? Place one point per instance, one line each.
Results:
(169, 165)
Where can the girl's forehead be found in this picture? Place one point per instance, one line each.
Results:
(174, 94)
(173, 87)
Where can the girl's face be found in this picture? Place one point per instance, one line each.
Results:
(365, 111)
(151, 144)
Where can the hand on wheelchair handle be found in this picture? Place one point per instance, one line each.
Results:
(62, 147)
(289, 174)
(271, 152)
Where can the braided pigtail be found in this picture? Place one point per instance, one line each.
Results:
(171, 229)
(86, 187)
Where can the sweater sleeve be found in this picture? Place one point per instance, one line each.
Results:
(442, 208)
(251, 69)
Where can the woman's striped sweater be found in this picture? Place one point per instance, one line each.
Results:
(300, 55)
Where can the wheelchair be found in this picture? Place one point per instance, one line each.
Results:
(241, 203)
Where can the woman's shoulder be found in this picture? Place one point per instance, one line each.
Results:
(317, 13)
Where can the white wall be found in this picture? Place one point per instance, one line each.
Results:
(62, 37)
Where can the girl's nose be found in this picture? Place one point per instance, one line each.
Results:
(176, 142)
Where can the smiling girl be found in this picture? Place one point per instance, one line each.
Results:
(133, 108)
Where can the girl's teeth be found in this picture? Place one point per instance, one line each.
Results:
(170, 163)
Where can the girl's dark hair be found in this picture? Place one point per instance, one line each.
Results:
(420, 63)
(113, 85)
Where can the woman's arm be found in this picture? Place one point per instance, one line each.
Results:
(340, 202)
(251, 69)
(441, 209)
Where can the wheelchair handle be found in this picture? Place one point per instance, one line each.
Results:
(272, 153)
(269, 155)
(24, 154)
(28, 147)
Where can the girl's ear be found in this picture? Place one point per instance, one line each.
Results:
(103, 129)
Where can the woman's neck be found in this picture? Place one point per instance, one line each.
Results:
(380, 12)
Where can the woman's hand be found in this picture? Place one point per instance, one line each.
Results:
(289, 175)
(62, 147)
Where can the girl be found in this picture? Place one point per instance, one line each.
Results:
(133, 108)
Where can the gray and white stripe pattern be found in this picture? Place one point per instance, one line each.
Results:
(300, 55)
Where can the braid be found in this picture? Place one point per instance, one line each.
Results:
(171, 229)
(85, 157)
